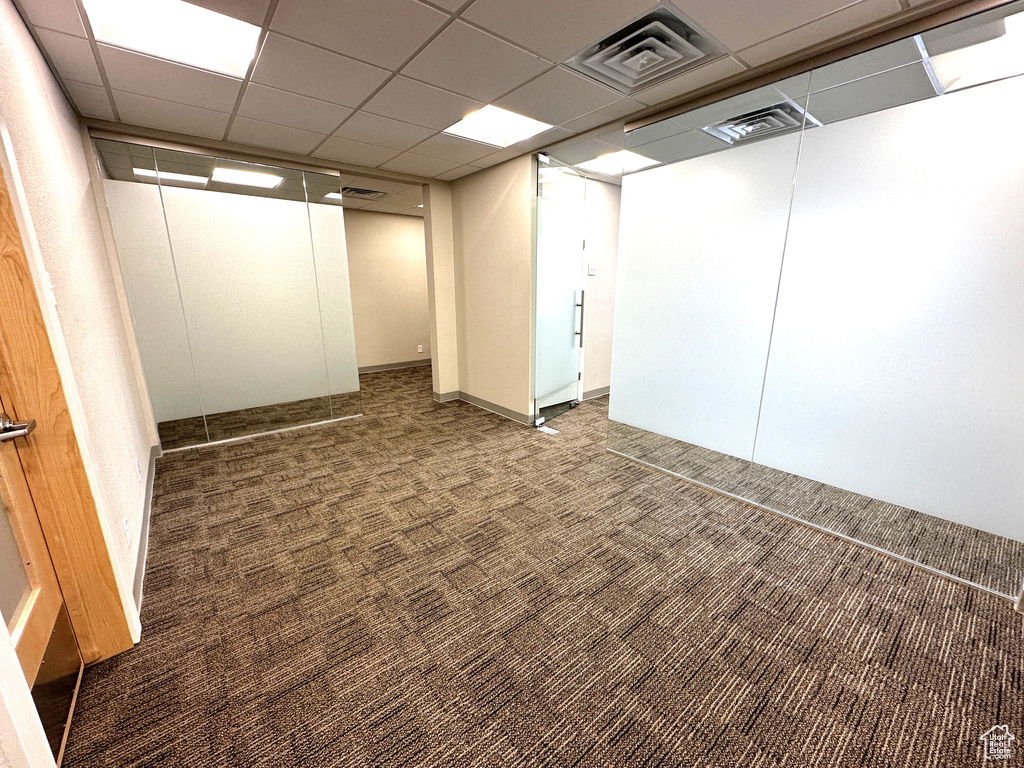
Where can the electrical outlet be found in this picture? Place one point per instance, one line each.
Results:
(419, 348)
(127, 531)
(138, 470)
(592, 270)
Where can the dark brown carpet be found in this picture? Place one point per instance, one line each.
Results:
(182, 433)
(434, 585)
(994, 562)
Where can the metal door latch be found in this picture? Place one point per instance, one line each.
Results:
(12, 429)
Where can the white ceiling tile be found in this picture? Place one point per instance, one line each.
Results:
(558, 96)
(61, 15)
(164, 80)
(90, 100)
(354, 205)
(686, 82)
(383, 32)
(465, 60)
(294, 66)
(382, 131)
(72, 56)
(581, 149)
(419, 165)
(555, 30)
(872, 94)
(414, 102)
(453, 148)
(271, 105)
(355, 152)
(247, 131)
(169, 116)
(824, 27)
(252, 11)
(386, 206)
(869, 63)
(458, 173)
(616, 111)
(682, 146)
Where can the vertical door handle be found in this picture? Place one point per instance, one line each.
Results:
(12, 429)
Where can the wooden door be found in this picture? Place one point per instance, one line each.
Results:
(30, 596)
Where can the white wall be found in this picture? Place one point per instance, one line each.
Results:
(249, 287)
(494, 244)
(602, 233)
(92, 340)
(897, 359)
(387, 262)
(22, 740)
(699, 254)
(897, 364)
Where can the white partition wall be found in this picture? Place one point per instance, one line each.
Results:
(843, 302)
(145, 256)
(897, 364)
(248, 285)
(700, 247)
(239, 291)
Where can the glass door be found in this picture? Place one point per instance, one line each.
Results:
(561, 199)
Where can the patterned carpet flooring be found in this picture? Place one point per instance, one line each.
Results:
(434, 585)
(992, 561)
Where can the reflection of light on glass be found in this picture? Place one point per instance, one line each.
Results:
(333, 196)
(177, 31)
(984, 62)
(246, 178)
(617, 163)
(496, 126)
(180, 178)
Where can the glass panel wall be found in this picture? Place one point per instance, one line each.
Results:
(237, 280)
(819, 299)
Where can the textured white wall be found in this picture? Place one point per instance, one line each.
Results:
(494, 244)
(387, 262)
(107, 405)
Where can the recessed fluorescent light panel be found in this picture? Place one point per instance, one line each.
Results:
(999, 54)
(171, 178)
(333, 196)
(497, 127)
(176, 31)
(246, 178)
(617, 163)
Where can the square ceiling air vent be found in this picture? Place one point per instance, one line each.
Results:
(772, 120)
(650, 50)
(358, 193)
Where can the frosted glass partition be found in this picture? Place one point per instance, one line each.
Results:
(559, 277)
(823, 315)
(238, 287)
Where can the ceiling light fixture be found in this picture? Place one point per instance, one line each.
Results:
(246, 178)
(617, 163)
(181, 178)
(497, 127)
(333, 196)
(176, 31)
(985, 62)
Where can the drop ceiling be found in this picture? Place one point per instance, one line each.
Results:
(373, 82)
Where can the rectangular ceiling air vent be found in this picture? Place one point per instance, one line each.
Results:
(361, 194)
(761, 123)
(650, 50)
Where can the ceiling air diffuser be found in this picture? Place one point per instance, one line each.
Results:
(358, 193)
(767, 121)
(651, 49)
